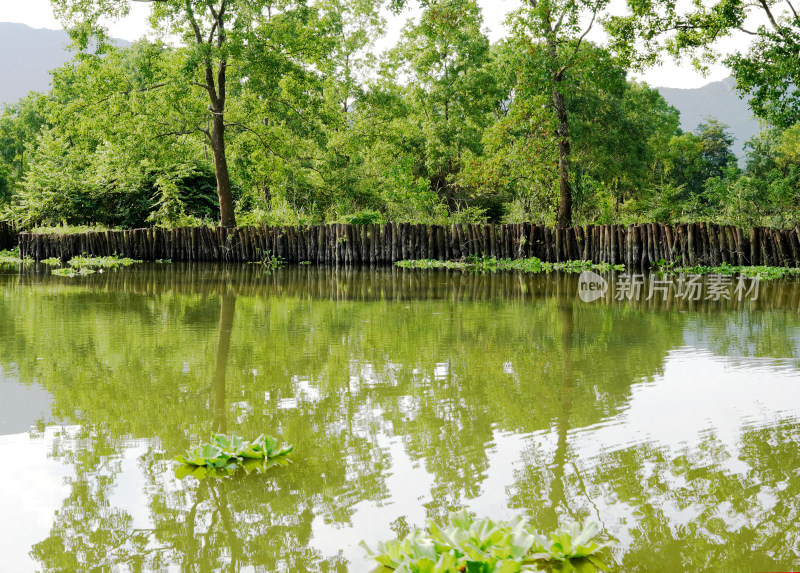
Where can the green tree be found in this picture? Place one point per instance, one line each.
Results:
(445, 61)
(555, 30)
(618, 133)
(227, 45)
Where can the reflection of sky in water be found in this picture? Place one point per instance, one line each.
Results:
(699, 395)
(31, 495)
(21, 406)
(374, 391)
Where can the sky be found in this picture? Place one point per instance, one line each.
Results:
(38, 14)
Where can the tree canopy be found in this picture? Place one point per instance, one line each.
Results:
(283, 113)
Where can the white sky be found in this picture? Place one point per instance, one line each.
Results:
(38, 14)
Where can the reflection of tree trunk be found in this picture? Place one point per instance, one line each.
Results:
(219, 407)
(193, 547)
(228, 525)
(557, 494)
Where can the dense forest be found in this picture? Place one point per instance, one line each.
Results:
(281, 112)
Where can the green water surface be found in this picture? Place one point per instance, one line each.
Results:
(406, 394)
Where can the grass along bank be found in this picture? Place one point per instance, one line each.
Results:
(76, 266)
(537, 266)
(493, 265)
(11, 257)
(761, 272)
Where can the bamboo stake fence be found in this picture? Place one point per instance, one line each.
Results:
(340, 244)
(8, 238)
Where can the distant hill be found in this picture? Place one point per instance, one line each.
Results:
(719, 100)
(28, 55)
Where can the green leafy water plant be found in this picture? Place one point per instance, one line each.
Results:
(471, 545)
(268, 260)
(532, 265)
(11, 257)
(111, 262)
(761, 272)
(69, 272)
(224, 455)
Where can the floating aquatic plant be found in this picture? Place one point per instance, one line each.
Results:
(761, 272)
(70, 272)
(484, 546)
(111, 262)
(267, 260)
(484, 264)
(11, 257)
(224, 455)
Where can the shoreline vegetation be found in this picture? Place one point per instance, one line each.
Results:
(86, 265)
(76, 266)
(448, 125)
(533, 265)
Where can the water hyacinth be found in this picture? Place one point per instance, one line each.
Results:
(224, 455)
(484, 264)
(471, 545)
(11, 257)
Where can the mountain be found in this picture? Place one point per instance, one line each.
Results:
(28, 56)
(719, 100)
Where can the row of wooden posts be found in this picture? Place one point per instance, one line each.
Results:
(8, 238)
(632, 245)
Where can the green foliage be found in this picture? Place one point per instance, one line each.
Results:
(226, 454)
(11, 257)
(90, 262)
(363, 218)
(768, 68)
(269, 261)
(63, 229)
(71, 272)
(484, 546)
(761, 272)
(486, 264)
(446, 127)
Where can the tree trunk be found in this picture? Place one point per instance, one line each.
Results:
(564, 219)
(227, 215)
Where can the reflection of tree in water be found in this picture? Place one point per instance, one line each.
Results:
(700, 509)
(218, 389)
(336, 377)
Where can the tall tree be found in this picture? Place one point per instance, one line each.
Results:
(451, 90)
(559, 28)
(222, 38)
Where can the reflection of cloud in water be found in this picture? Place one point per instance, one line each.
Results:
(38, 492)
(698, 393)
(22, 404)
(409, 487)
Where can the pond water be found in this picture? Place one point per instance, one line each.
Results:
(407, 394)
